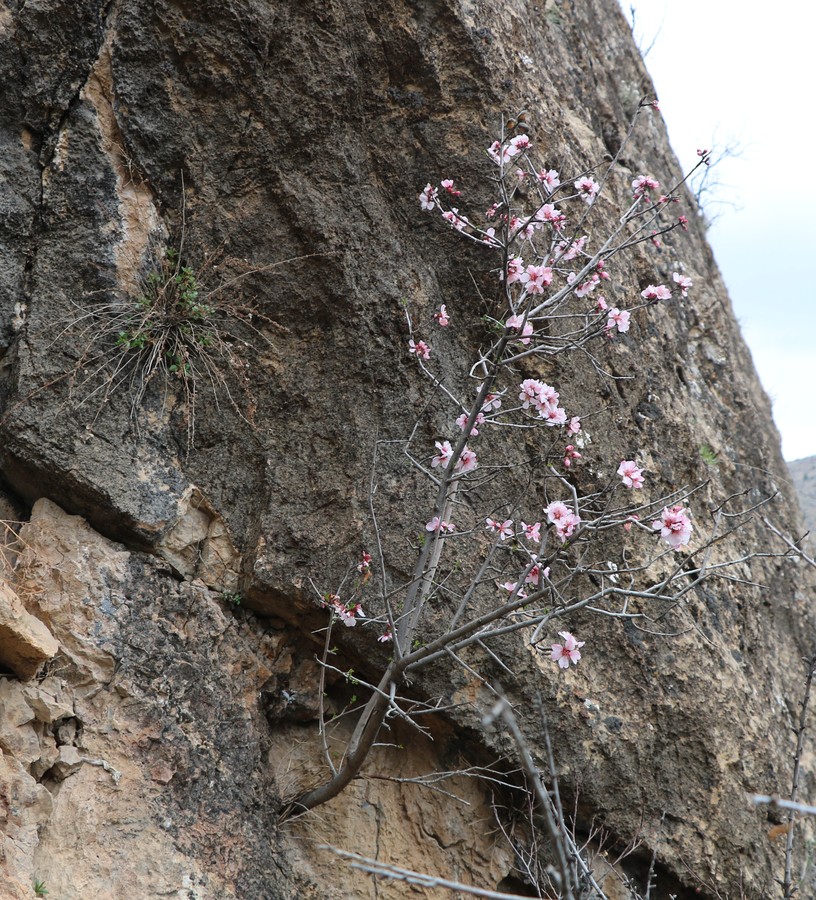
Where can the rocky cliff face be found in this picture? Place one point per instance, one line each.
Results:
(152, 727)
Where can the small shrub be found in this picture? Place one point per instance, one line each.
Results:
(169, 338)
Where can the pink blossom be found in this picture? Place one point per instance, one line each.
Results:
(490, 238)
(422, 350)
(515, 271)
(449, 187)
(683, 282)
(564, 520)
(567, 252)
(438, 526)
(520, 143)
(427, 199)
(544, 399)
(452, 216)
(491, 402)
(550, 179)
(540, 277)
(445, 454)
(503, 154)
(618, 318)
(386, 636)
(568, 652)
(588, 189)
(630, 473)
(494, 151)
(517, 323)
(683, 222)
(550, 213)
(462, 423)
(552, 414)
(656, 292)
(491, 212)
(502, 529)
(643, 184)
(588, 286)
(532, 532)
(514, 223)
(535, 574)
(348, 615)
(601, 304)
(510, 587)
(674, 526)
(531, 392)
(467, 462)
(523, 227)
(570, 453)
(601, 269)
(365, 565)
(345, 611)
(442, 316)
(574, 426)
(556, 511)
(627, 526)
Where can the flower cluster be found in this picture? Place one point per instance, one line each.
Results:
(533, 577)
(563, 519)
(588, 188)
(474, 430)
(618, 318)
(643, 184)
(656, 292)
(517, 324)
(348, 612)
(674, 526)
(630, 473)
(543, 399)
(502, 529)
(437, 526)
(503, 153)
(570, 453)
(467, 461)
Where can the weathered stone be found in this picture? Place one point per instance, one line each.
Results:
(198, 544)
(50, 699)
(25, 642)
(17, 736)
(69, 759)
(24, 807)
(280, 148)
(48, 754)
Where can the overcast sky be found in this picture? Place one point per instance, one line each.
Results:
(725, 73)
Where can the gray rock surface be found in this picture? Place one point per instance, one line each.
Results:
(281, 148)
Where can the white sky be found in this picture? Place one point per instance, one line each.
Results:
(727, 71)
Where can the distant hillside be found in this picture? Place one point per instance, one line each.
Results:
(803, 472)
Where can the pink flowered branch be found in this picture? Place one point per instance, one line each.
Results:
(524, 563)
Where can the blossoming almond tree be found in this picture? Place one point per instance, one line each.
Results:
(514, 543)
